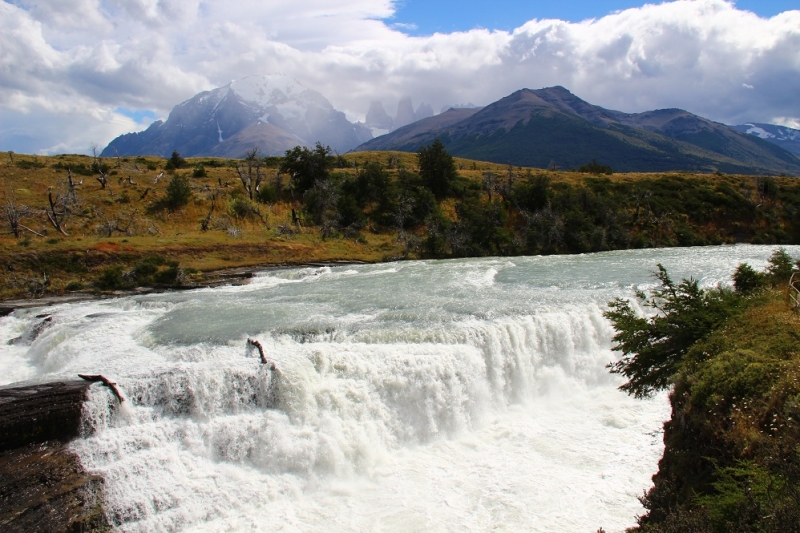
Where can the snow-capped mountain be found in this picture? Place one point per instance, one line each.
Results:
(272, 112)
(786, 138)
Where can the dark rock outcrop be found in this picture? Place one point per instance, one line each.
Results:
(40, 413)
(43, 486)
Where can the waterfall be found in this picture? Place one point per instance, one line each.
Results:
(435, 396)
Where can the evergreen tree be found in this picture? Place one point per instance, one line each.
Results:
(176, 161)
(178, 192)
(437, 169)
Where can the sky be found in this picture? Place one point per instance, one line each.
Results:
(77, 73)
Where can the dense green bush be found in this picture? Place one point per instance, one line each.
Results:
(111, 279)
(179, 192)
(653, 347)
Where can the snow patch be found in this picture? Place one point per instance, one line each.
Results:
(759, 132)
(267, 90)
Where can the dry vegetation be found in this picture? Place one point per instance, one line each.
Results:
(115, 213)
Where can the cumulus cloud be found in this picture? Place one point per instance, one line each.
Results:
(68, 66)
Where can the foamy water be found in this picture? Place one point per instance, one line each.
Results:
(466, 395)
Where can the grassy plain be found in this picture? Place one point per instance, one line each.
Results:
(125, 222)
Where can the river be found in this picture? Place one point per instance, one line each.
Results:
(461, 395)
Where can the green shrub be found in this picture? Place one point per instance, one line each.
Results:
(593, 167)
(653, 347)
(179, 192)
(780, 267)
(266, 194)
(111, 279)
(242, 208)
(747, 280)
(176, 161)
(74, 286)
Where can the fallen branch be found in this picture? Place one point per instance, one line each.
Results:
(260, 348)
(29, 229)
(107, 382)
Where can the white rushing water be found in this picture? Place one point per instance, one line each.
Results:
(467, 395)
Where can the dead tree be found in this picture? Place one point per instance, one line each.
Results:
(71, 192)
(147, 190)
(103, 179)
(490, 183)
(111, 225)
(206, 221)
(249, 172)
(640, 197)
(14, 213)
(505, 188)
(252, 343)
(56, 214)
(107, 382)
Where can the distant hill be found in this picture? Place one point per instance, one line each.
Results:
(553, 127)
(786, 138)
(274, 113)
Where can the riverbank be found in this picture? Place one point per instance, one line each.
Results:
(79, 225)
(228, 276)
(732, 445)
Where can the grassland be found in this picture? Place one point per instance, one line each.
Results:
(125, 222)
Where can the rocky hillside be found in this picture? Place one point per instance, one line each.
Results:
(786, 138)
(553, 128)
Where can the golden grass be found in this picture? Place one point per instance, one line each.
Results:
(134, 185)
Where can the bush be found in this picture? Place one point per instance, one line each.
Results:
(111, 279)
(266, 194)
(747, 280)
(179, 193)
(242, 208)
(653, 347)
(176, 161)
(594, 167)
(199, 171)
(780, 267)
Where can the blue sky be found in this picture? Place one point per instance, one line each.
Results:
(424, 17)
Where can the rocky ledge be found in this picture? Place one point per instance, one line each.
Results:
(43, 486)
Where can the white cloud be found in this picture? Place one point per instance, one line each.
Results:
(67, 65)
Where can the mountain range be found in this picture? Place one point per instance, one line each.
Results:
(380, 123)
(552, 127)
(542, 128)
(274, 113)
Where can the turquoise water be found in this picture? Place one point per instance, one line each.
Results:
(464, 395)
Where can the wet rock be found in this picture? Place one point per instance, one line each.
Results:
(43, 486)
(39, 413)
